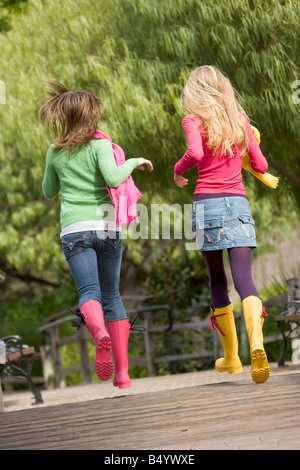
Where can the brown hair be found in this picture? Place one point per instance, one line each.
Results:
(71, 117)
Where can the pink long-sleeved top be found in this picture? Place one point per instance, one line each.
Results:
(217, 174)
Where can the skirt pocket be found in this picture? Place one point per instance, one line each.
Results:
(213, 231)
(247, 226)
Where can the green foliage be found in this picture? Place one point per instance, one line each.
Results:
(180, 284)
(137, 55)
(184, 286)
(24, 317)
(27, 315)
(7, 8)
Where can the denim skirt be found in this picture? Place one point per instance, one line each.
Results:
(224, 222)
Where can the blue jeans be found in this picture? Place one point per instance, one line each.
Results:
(95, 262)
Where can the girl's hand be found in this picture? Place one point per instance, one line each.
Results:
(180, 181)
(143, 161)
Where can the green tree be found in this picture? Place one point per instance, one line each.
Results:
(137, 55)
(8, 7)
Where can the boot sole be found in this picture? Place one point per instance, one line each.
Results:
(260, 370)
(104, 366)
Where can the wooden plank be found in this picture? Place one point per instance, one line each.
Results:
(272, 338)
(278, 300)
(149, 343)
(182, 357)
(226, 415)
(179, 327)
(17, 379)
(84, 358)
(17, 354)
(65, 312)
(288, 318)
(75, 308)
(54, 324)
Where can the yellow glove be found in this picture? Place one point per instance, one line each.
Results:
(267, 178)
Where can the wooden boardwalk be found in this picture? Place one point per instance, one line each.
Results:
(202, 411)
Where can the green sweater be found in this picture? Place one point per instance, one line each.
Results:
(82, 179)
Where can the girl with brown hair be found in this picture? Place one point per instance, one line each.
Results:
(83, 168)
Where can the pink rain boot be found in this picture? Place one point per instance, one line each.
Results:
(119, 333)
(93, 319)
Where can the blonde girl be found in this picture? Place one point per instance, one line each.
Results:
(218, 135)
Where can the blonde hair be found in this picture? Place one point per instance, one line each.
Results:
(210, 95)
(71, 117)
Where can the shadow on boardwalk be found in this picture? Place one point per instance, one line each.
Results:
(193, 411)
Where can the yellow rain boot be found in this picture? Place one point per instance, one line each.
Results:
(222, 319)
(254, 313)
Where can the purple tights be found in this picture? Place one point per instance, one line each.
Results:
(240, 264)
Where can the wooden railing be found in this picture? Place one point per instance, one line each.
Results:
(54, 372)
(52, 342)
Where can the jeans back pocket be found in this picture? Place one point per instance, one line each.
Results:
(73, 244)
(112, 247)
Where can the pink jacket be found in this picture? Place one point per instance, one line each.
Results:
(217, 174)
(127, 194)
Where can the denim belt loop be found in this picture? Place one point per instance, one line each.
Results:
(227, 202)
